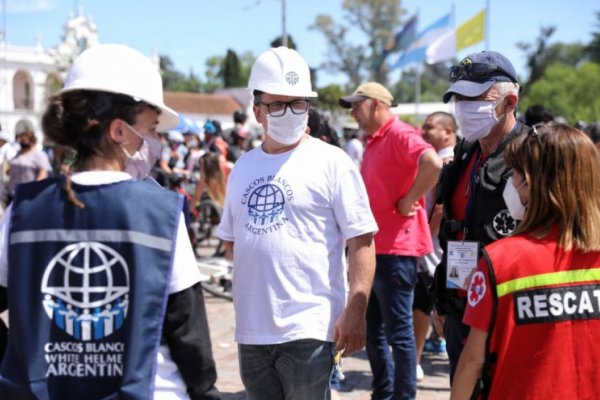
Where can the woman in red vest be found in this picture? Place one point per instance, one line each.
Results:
(534, 300)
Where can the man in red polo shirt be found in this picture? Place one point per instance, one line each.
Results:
(398, 168)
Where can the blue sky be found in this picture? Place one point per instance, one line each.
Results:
(190, 31)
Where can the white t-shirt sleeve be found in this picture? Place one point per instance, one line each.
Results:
(4, 225)
(351, 204)
(225, 228)
(185, 272)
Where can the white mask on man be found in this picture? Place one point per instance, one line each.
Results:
(287, 129)
(476, 118)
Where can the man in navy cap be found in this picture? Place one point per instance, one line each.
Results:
(485, 90)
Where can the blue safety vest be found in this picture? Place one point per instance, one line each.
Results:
(87, 290)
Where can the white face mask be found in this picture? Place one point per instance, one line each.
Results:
(287, 129)
(141, 162)
(512, 199)
(476, 118)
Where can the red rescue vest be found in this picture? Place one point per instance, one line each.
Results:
(543, 341)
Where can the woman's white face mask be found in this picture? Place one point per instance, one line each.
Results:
(477, 118)
(513, 200)
(141, 162)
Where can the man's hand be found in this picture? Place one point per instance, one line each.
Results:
(350, 332)
(408, 208)
(438, 323)
(350, 329)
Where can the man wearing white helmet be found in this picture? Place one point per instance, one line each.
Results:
(291, 207)
(97, 268)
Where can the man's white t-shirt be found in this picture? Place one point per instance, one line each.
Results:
(289, 216)
(168, 382)
(355, 150)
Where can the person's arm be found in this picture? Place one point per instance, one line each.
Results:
(436, 219)
(350, 328)
(470, 365)
(187, 335)
(228, 247)
(430, 165)
(42, 174)
(200, 188)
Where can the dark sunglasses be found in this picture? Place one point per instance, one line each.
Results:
(478, 72)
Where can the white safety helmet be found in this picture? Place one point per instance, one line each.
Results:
(120, 69)
(175, 136)
(281, 71)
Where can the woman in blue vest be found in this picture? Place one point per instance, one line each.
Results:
(96, 268)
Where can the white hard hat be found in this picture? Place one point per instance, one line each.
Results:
(281, 71)
(175, 136)
(120, 69)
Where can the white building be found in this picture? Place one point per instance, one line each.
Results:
(29, 75)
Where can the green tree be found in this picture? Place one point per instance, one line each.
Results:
(592, 50)
(279, 42)
(232, 70)
(177, 81)
(376, 20)
(246, 62)
(540, 55)
(570, 92)
(213, 74)
(172, 79)
(434, 82)
(329, 97)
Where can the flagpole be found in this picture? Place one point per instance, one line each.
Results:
(417, 92)
(417, 85)
(487, 25)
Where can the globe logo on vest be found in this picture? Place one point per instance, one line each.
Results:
(85, 289)
(266, 204)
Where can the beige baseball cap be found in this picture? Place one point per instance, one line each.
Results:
(369, 90)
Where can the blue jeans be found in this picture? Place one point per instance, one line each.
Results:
(456, 334)
(298, 370)
(389, 324)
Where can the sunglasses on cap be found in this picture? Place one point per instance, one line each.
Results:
(478, 72)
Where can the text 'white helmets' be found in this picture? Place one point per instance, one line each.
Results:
(120, 69)
(281, 71)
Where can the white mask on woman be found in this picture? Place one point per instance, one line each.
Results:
(476, 118)
(141, 162)
(512, 199)
(287, 129)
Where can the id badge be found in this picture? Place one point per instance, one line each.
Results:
(462, 258)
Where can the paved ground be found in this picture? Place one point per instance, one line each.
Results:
(356, 368)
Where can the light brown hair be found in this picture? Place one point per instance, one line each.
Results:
(213, 177)
(561, 166)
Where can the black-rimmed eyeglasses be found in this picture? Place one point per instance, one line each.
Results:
(478, 72)
(278, 108)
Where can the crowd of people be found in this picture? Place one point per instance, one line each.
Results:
(479, 228)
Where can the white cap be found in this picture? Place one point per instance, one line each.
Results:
(120, 69)
(175, 136)
(281, 71)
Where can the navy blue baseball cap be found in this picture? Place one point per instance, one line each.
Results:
(477, 72)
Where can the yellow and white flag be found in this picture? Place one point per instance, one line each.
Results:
(471, 32)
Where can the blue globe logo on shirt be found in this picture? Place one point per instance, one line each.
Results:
(266, 204)
(85, 289)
